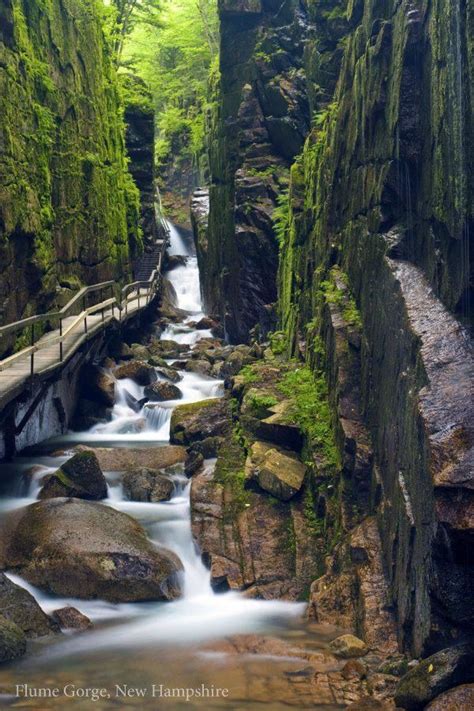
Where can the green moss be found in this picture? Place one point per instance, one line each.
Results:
(248, 375)
(64, 180)
(260, 404)
(310, 409)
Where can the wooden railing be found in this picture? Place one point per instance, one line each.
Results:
(142, 291)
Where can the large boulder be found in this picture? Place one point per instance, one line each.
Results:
(20, 607)
(200, 420)
(147, 485)
(137, 370)
(87, 550)
(460, 698)
(161, 390)
(80, 477)
(434, 675)
(12, 640)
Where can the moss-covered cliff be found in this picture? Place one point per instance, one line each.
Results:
(260, 120)
(68, 206)
(374, 267)
(374, 258)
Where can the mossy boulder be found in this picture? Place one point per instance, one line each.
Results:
(12, 640)
(199, 421)
(160, 390)
(20, 607)
(140, 372)
(80, 477)
(87, 550)
(435, 675)
(147, 485)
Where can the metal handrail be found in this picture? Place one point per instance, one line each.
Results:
(151, 286)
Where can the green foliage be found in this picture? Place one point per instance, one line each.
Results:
(175, 60)
(281, 216)
(335, 295)
(278, 342)
(310, 409)
(260, 404)
(248, 374)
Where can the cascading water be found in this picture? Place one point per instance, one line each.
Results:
(200, 614)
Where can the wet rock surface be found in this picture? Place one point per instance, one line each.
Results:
(84, 549)
(147, 485)
(160, 391)
(142, 373)
(199, 421)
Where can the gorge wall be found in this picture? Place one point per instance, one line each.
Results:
(69, 207)
(259, 124)
(374, 268)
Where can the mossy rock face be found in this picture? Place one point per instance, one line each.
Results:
(434, 675)
(80, 477)
(69, 210)
(84, 549)
(12, 640)
(199, 421)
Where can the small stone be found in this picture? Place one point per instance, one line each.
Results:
(69, 618)
(147, 485)
(354, 669)
(169, 374)
(347, 646)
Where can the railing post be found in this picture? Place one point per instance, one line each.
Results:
(139, 289)
(85, 316)
(32, 364)
(112, 296)
(60, 342)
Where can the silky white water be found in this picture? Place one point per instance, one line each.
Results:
(200, 614)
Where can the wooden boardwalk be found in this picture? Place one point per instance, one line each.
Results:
(47, 358)
(53, 350)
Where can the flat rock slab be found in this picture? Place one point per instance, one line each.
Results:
(119, 459)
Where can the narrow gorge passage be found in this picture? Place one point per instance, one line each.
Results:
(158, 637)
(236, 355)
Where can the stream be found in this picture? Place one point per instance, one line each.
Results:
(154, 646)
